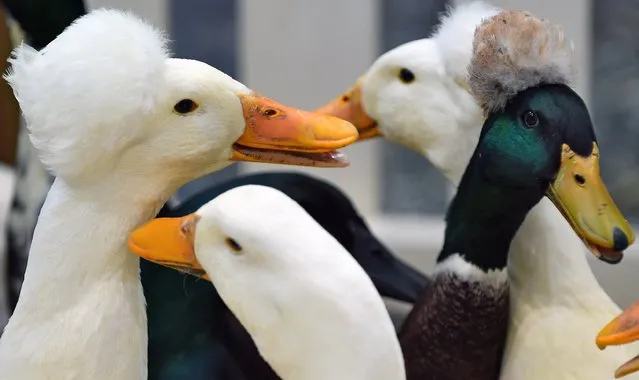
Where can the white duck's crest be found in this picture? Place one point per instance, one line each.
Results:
(513, 51)
(99, 55)
(454, 36)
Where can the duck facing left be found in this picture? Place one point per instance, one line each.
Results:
(122, 125)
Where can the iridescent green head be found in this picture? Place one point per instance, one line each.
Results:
(538, 132)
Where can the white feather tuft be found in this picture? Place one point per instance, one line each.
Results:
(513, 51)
(103, 70)
(455, 34)
(492, 282)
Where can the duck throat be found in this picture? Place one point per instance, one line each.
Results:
(457, 328)
(484, 217)
(81, 310)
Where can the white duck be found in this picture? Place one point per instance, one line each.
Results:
(416, 95)
(122, 126)
(283, 276)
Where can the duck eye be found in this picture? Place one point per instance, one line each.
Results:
(185, 106)
(235, 246)
(531, 119)
(581, 180)
(406, 76)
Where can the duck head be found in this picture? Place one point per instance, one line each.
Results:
(291, 284)
(417, 94)
(622, 330)
(391, 276)
(108, 81)
(252, 229)
(519, 73)
(544, 137)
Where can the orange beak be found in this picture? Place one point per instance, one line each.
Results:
(276, 133)
(169, 242)
(348, 106)
(622, 330)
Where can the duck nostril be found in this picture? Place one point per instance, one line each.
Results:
(620, 239)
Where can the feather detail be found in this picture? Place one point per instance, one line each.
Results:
(513, 51)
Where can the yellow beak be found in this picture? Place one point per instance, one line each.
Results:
(580, 194)
(169, 242)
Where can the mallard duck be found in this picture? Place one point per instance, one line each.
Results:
(622, 330)
(416, 95)
(120, 139)
(209, 342)
(284, 277)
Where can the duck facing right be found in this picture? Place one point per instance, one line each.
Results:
(418, 95)
(537, 141)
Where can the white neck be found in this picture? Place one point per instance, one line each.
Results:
(81, 312)
(327, 321)
(548, 261)
(457, 135)
(331, 340)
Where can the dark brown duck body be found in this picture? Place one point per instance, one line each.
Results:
(443, 344)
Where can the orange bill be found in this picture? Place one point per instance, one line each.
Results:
(622, 330)
(631, 366)
(580, 194)
(169, 242)
(276, 133)
(348, 106)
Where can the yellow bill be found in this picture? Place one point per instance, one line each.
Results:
(580, 194)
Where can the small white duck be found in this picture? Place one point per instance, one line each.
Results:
(122, 126)
(417, 95)
(308, 305)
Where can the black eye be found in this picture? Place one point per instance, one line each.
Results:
(581, 180)
(531, 119)
(406, 76)
(235, 246)
(185, 106)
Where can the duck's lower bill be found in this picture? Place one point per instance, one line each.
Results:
(631, 366)
(622, 330)
(275, 133)
(581, 196)
(324, 159)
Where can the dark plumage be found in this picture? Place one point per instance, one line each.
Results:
(208, 342)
